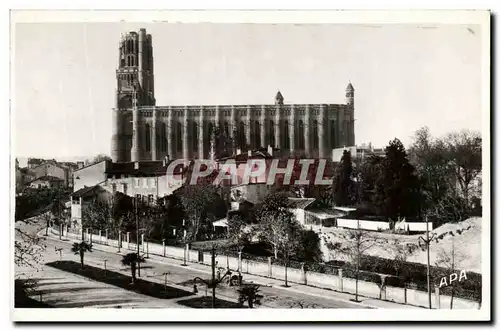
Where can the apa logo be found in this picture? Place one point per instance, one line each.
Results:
(453, 277)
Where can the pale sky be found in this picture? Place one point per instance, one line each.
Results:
(405, 76)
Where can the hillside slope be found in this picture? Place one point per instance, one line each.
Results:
(466, 236)
(467, 242)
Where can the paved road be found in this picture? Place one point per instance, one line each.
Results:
(180, 276)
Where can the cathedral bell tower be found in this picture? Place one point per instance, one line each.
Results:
(134, 75)
(349, 95)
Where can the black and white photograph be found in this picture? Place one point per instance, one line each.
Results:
(256, 166)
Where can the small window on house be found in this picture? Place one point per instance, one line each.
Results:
(137, 182)
(113, 188)
(124, 188)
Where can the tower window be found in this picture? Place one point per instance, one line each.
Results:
(178, 136)
(300, 136)
(333, 130)
(241, 136)
(210, 130)
(163, 137)
(271, 140)
(148, 137)
(194, 137)
(285, 135)
(315, 138)
(256, 134)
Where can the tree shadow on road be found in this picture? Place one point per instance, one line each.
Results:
(206, 302)
(117, 279)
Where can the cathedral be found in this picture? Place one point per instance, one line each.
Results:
(143, 131)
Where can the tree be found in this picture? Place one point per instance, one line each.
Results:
(279, 227)
(358, 242)
(369, 173)
(343, 183)
(81, 248)
(250, 294)
(132, 260)
(200, 204)
(465, 153)
(432, 163)
(96, 214)
(122, 213)
(308, 246)
(237, 234)
(28, 247)
(101, 157)
(449, 259)
(288, 239)
(274, 217)
(397, 191)
(450, 208)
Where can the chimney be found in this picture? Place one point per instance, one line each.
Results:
(136, 165)
(249, 153)
(238, 151)
(270, 150)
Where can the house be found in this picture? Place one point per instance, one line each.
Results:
(90, 175)
(312, 215)
(46, 182)
(81, 199)
(52, 169)
(145, 178)
(298, 207)
(242, 160)
(71, 167)
(35, 162)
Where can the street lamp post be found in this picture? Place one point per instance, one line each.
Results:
(185, 243)
(137, 233)
(427, 243)
(213, 282)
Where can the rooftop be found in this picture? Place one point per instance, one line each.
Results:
(300, 203)
(47, 178)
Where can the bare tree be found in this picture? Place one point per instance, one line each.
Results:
(358, 242)
(450, 259)
(28, 247)
(465, 152)
(273, 216)
(237, 234)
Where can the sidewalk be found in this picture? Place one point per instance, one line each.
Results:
(263, 281)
